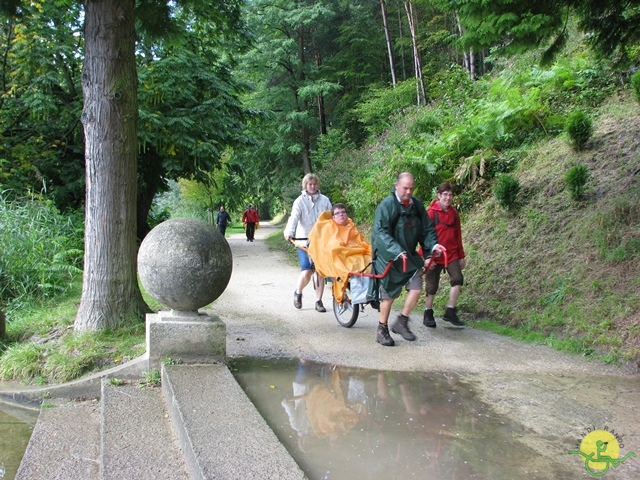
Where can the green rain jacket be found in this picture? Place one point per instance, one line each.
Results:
(398, 228)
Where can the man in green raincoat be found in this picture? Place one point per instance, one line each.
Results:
(400, 224)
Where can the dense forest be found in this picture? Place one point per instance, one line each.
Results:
(185, 106)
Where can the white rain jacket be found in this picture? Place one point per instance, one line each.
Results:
(304, 213)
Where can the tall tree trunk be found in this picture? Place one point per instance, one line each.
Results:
(110, 293)
(472, 64)
(417, 62)
(468, 59)
(306, 155)
(392, 66)
(401, 29)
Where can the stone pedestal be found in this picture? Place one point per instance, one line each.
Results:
(185, 264)
(185, 337)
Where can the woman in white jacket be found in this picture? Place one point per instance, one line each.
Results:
(304, 213)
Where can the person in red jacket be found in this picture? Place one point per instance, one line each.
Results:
(447, 222)
(250, 219)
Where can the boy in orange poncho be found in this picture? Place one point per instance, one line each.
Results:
(337, 248)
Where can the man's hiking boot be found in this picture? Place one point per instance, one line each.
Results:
(383, 337)
(428, 319)
(401, 327)
(297, 300)
(451, 317)
(320, 307)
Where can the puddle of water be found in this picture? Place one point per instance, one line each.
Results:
(348, 423)
(16, 425)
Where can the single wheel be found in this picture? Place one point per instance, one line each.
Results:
(346, 314)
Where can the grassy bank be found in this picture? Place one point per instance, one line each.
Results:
(563, 272)
(40, 346)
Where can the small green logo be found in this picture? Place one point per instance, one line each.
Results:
(600, 450)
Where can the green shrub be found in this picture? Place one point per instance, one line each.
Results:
(506, 190)
(379, 104)
(42, 250)
(576, 178)
(580, 128)
(635, 84)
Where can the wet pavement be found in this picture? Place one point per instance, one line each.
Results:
(16, 425)
(346, 423)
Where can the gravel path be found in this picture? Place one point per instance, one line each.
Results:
(551, 393)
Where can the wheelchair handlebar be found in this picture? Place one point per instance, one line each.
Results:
(384, 273)
(431, 260)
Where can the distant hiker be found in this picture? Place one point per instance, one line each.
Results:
(305, 211)
(400, 223)
(447, 222)
(250, 220)
(222, 219)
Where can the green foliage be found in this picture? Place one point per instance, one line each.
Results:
(580, 129)
(517, 26)
(331, 145)
(171, 361)
(41, 137)
(576, 178)
(381, 103)
(452, 85)
(613, 25)
(151, 379)
(506, 190)
(513, 27)
(42, 250)
(635, 84)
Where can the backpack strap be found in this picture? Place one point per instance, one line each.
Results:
(437, 222)
(394, 223)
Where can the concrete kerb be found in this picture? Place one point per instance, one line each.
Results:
(87, 387)
(219, 430)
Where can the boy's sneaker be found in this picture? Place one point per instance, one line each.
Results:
(320, 307)
(451, 317)
(383, 337)
(297, 300)
(401, 327)
(428, 319)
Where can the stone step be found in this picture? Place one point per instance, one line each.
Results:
(219, 430)
(65, 443)
(137, 439)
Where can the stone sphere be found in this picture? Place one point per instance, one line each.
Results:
(185, 264)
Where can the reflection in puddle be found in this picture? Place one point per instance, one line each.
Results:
(16, 426)
(348, 423)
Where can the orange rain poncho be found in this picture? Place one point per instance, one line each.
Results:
(337, 250)
(327, 410)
